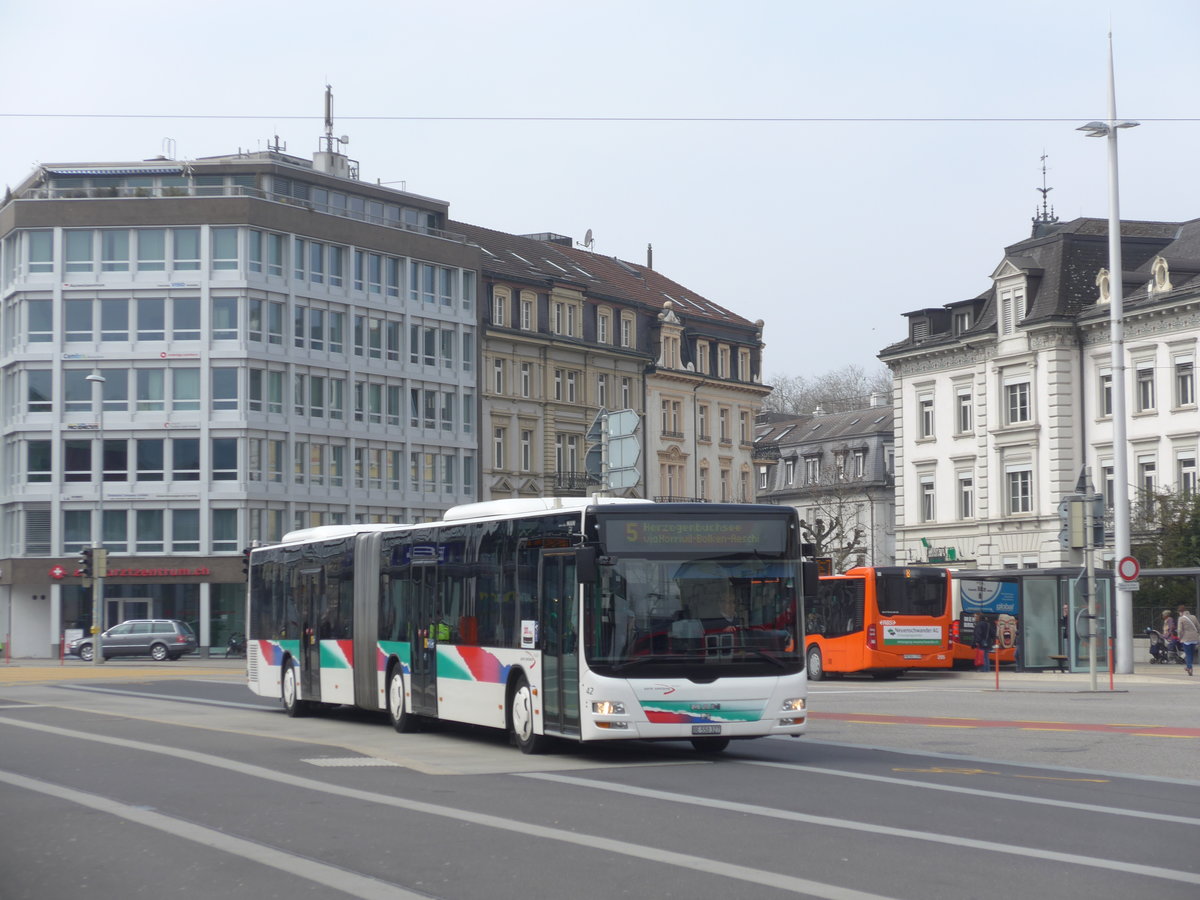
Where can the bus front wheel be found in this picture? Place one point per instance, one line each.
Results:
(816, 666)
(291, 702)
(402, 720)
(521, 720)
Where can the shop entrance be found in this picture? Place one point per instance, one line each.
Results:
(120, 609)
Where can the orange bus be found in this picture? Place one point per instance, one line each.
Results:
(881, 620)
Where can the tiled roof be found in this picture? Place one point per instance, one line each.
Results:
(530, 259)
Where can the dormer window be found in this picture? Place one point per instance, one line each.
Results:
(920, 329)
(1160, 277)
(962, 321)
(1012, 309)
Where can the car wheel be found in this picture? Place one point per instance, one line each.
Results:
(816, 666)
(294, 706)
(158, 652)
(86, 653)
(520, 720)
(710, 746)
(402, 720)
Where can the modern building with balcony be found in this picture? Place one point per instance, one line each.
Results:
(198, 355)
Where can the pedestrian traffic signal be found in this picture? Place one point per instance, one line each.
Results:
(246, 564)
(85, 562)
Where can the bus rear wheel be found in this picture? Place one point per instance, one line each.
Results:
(816, 666)
(290, 689)
(402, 720)
(520, 718)
(710, 746)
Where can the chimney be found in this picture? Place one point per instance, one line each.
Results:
(878, 398)
(649, 256)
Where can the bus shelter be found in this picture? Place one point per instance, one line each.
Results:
(1041, 613)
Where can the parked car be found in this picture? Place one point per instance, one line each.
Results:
(157, 638)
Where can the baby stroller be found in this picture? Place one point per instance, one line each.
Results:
(1162, 650)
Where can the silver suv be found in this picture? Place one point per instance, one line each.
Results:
(157, 638)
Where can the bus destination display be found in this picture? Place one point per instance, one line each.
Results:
(653, 535)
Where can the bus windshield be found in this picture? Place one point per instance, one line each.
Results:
(694, 618)
(898, 594)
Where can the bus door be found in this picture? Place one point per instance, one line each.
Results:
(560, 641)
(430, 630)
(308, 590)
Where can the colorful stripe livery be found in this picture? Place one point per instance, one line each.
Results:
(662, 712)
(273, 652)
(402, 650)
(471, 664)
(337, 654)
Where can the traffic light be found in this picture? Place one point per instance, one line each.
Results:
(246, 564)
(86, 569)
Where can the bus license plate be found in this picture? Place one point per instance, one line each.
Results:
(912, 655)
(706, 729)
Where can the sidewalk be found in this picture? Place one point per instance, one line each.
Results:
(42, 671)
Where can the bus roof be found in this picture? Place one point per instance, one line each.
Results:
(330, 532)
(482, 510)
(489, 508)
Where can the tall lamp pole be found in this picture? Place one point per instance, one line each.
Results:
(99, 560)
(1116, 313)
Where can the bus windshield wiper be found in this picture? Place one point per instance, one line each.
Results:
(770, 657)
(641, 660)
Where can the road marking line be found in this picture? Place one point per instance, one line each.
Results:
(979, 792)
(954, 840)
(595, 843)
(152, 696)
(342, 880)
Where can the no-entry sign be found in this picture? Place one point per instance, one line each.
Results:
(1128, 569)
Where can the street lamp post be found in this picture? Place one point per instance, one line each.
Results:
(1116, 314)
(99, 562)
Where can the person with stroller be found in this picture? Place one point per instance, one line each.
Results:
(1168, 628)
(1188, 632)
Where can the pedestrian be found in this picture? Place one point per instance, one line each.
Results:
(1168, 627)
(1188, 630)
(985, 636)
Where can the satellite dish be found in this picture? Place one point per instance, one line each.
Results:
(587, 240)
(345, 139)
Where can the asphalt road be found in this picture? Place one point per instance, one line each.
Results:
(160, 779)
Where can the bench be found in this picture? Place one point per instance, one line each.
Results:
(1059, 660)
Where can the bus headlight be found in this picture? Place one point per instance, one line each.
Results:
(608, 708)
(795, 704)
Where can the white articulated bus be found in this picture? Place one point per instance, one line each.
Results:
(588, 619)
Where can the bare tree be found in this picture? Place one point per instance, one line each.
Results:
(836, 529)
(841, 390)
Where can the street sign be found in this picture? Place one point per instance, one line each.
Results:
(596, 432)
(623, 423)
(1128, 569)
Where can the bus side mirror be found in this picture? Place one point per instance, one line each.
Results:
(811, 575)
(585, 565)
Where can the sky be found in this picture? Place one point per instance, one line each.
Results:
(824, 167)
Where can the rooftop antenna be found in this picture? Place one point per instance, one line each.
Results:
(1046, 216)
(277, 147)
(330, 143)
